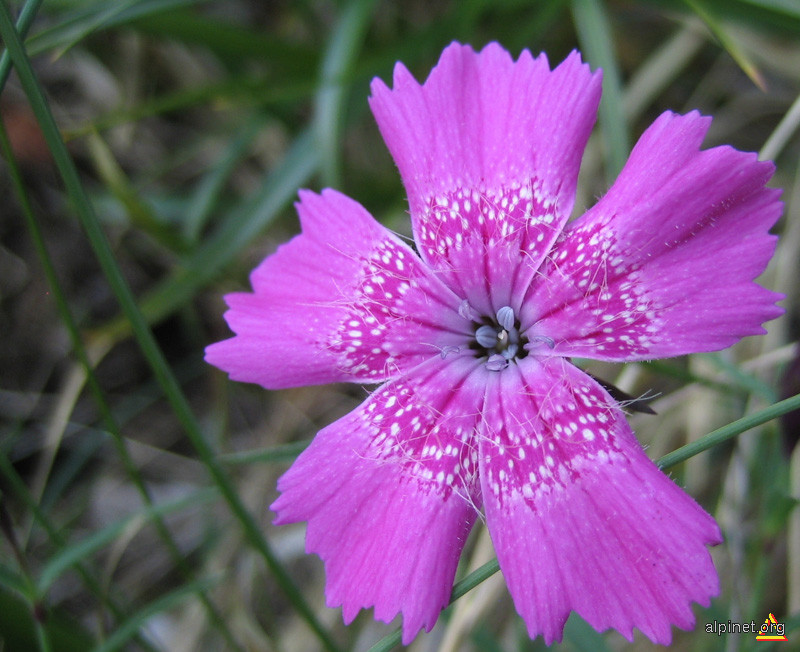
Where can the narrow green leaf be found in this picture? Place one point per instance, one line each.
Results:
(204, 200)
(388, 642)
(24, 23)
(20, 490)
(473, 579)
(251, 91)
(747, 382)
(277, 454)
(597, 43)
(14, 581)
(236, 231)
(85, 359)
(232, 42)
(141, 331)
(70, 555)
(716, 27)
(729, 431)
(139, 213)
(127, 630)
(339, 57)
(78, 24)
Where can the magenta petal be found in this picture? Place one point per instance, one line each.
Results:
(344, 301)
(489, 151)
(390, 494)
(580, 518)
(665, 263)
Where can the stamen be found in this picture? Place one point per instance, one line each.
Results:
(510, 352)
(447, 350)
(505, 317)
(548, 341)
(486, 337)
(496, 362)
(466, 311)
(498, 340)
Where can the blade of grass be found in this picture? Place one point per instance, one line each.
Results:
(78, 24)
(236, 231)
(20, 490)
(139, 213)
(14, 581)
(729, 431)
(24, 22)
(75, 552)
(252, 90)
(329, 105)
(19, 629)
(710, 440)
(594, 34)
(231, 42)
(141, 330)
(750, 383)
(276, 454)
(85, 359)
(131, 627)
(716, 27)
(205, 198)
(782, 134)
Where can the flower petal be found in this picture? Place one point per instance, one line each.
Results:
(489, 151)
(664, 264)
(390, 494)
(580, 518)
(344, 301)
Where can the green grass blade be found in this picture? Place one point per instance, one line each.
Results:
(729, 431)
(94, 385)
(716, 27)
(277, 454)
(24, 22)
(231, 42)
(139, 326)
(131, 627)
(594, 34)
(473, 579)
(339, 57)
(14, 581)
(205, 198)
(72, 554)
(82, 22)
(234, 234)
(139, 213)
(20, 490)
(388, 642)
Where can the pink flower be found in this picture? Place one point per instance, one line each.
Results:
(481, 407)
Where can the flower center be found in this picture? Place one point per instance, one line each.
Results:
(499, 340)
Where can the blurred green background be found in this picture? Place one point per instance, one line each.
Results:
(151, 153)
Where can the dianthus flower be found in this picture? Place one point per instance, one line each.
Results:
(472, 336)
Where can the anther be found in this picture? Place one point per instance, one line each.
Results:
(505, 317)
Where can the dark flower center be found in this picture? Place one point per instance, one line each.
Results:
(499, 339)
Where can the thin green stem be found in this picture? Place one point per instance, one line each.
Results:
(107, 416)
(141, 330)
(594, 34)
(712, 439)
(339, 57)
(20, 490)
(24, 22)
(729, 431)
